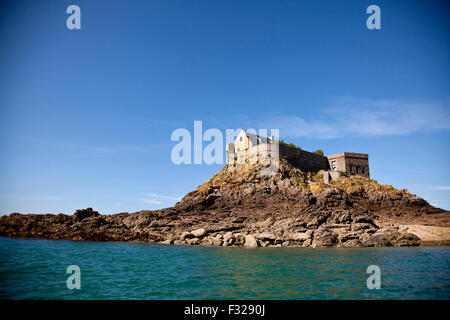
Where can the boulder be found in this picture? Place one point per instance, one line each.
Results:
(239, 239)
(263, 243)
(227, 236)
(306, 243)
(352, 243)
(381, 238)
(217, 242)
(266, 236)
(199, 232)
(193, 241)
(250, 241)
(325, 239)
(185, 235)
(406, 240)
(297, 236)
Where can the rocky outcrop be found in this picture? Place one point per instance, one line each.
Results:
(84, 213)
(241, 206)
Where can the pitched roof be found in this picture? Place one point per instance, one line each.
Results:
(255, 136)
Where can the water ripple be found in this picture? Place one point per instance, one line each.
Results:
(36, 269)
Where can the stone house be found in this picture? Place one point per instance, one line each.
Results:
(252, 147)
(246, 140)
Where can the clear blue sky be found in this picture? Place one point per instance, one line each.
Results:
(86, 115)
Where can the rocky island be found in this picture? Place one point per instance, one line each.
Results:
(242, 206)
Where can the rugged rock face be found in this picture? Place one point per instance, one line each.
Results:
(241, 206)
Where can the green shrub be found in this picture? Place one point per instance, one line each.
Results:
(290, 144)
(319, 152)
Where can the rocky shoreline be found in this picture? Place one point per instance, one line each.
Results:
(240, 206)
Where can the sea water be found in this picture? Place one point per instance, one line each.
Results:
(37, 269)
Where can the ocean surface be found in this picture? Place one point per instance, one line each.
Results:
(36, 269)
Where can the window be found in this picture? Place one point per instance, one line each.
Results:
(240, 139)
(334, 165)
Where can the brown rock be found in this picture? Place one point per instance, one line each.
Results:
(324, 239)
(250, 241)
(199, 232)
(84, 213)
(290, 208)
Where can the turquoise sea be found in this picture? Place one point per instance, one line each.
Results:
(36, 269)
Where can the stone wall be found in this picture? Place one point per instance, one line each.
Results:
(304, 160)
(266, 153)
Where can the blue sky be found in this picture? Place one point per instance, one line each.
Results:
(86, 115)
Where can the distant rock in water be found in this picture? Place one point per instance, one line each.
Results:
(241, 206)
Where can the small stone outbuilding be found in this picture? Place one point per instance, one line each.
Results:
(349, 162)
